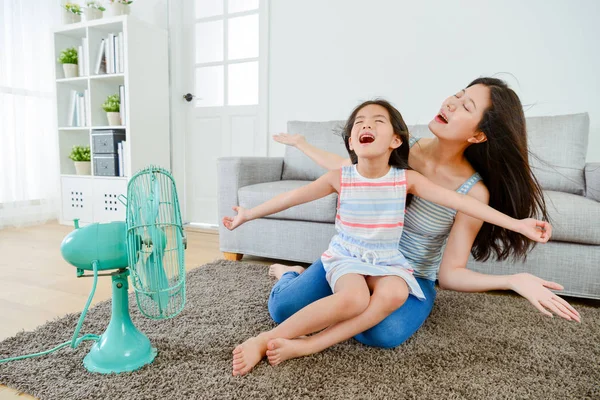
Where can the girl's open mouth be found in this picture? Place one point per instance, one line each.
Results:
(366, 138)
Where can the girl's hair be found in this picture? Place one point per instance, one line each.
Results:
(399, 156)
(502, 161)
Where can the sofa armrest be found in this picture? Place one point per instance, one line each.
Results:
(592, 180)
(234, 173)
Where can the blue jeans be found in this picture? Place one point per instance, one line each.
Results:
(295, 291)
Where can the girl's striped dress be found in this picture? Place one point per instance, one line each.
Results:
(369, 221)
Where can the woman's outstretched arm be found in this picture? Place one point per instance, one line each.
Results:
(454, 275)
(325, 159)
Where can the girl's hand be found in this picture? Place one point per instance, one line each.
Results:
(291, 139)
(233, 222)
(540, 231)
(536, 290)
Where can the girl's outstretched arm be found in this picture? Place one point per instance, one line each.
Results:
(539, 231)
(454, 274)
(326, 184)
(325, 159)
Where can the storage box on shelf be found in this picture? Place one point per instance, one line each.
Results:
(120, 55)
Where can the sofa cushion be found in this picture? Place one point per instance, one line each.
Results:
(322, 210)
(558, 148)
(323, 135)
(574, 218)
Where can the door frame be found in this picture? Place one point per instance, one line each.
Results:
(180, 109)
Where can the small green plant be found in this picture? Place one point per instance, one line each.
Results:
(126, 2)
(68, 56)
(95, 4)
(80, 153)
(73, 8)
(112, 103)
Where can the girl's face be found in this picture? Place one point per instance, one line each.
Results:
(372, 133)
(460, 115)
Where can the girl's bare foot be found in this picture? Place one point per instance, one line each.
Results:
(279, 350)
(277, 270)
(248, 354)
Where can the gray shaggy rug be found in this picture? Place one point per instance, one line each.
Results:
(474, 346)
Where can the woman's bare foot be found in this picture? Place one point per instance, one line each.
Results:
(248, 354)
(279, 350)
(277, 270)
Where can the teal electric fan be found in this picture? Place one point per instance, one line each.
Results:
(149, 247)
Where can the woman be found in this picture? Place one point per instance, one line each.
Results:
(480, 147)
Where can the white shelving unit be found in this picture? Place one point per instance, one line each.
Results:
(145, 79)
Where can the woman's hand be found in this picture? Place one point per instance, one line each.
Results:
(243, 215)
(536, 290)
(539, 231)
(291, 139)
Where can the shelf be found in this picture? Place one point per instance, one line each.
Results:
(94, 177)
(85, 128)
(74, 128)
(144, 99)
(97, 23)
(109, 127)
(70, 80)
(116, 77)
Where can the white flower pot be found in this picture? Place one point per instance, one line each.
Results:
(70, 18)
(83, 167)
(92, 13)
(115, 9)
(71, 70)
(114, 118)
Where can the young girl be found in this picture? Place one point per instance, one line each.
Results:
(363, 256)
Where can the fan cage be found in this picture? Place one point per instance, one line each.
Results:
(155, 241)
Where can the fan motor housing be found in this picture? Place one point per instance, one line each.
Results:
(105, 244)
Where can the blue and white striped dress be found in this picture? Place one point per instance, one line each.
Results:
(369, 222)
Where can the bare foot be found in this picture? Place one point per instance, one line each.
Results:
(277, 270)
(248, 354)
(280, 350)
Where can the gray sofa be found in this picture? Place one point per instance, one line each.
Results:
(302, 233)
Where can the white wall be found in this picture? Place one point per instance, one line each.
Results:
(327, 56)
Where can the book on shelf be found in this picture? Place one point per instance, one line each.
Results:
(110, 59)
(79, 109)
(122, 107)
(101, 60)
(121, 156)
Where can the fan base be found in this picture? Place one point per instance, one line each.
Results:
(122, 347)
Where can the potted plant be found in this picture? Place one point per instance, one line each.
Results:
(112, 106)
(119, 7)
(81, 156)
(68, 59)
(71, 13)
(93, 10)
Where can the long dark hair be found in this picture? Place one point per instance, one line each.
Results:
(399, 156)
(502, 161)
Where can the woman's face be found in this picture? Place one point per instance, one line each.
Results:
(460, 115)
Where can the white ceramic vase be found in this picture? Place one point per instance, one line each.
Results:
(115, 9)
(83, 167)
(71, 70)
(92, 13)
(114, 118)
(70, 18)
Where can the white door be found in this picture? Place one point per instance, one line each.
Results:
(224, 59)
